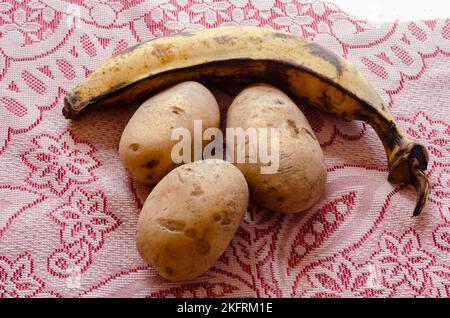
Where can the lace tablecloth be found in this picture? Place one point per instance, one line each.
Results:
(359, 240)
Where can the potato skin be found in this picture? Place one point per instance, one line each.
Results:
(301, 176)
(145, 146)
(190, 217)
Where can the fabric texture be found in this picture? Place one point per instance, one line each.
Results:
(68, 211)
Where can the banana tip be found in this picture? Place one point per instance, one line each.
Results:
(68, 110)
(407, 168)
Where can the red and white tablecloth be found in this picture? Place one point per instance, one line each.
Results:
(68, 211)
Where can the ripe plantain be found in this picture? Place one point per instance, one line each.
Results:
(307, 70)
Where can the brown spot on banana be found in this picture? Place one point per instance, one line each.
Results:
(304, 69)
(224, 39)
(327, 55)
(164, 53)
(283, 35)
(326, 101)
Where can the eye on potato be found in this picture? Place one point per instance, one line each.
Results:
(190, 217)
(301, 176)
(145, 146)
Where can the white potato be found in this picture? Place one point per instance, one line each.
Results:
(190, 217)
(301, 177)
(146, 145)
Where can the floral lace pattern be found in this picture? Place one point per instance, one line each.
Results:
(68, 211)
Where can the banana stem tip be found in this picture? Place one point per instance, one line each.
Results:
(408, 168)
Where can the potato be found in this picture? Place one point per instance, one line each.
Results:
(301, 176)
(190, 217)
(146, 145)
